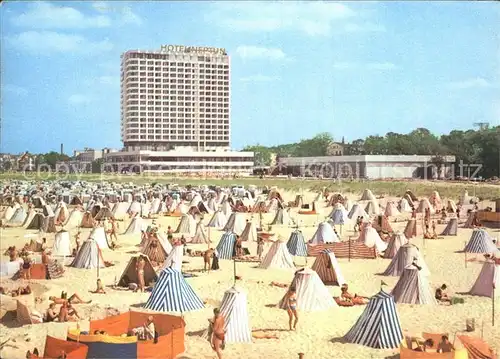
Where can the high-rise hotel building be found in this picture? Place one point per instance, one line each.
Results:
(176, 110)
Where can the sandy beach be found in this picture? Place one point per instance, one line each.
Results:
(318, 334)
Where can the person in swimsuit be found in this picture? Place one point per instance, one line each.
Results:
(139, 267)
(26, 268)
(78, 241)
(291, 308)
(218, 333)
(75, 299)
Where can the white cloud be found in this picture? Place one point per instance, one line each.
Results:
(127, 17)
(478, 82)
(44, 15)
(15, 90)
(49, 42)
(375, 66)
(259, 52)
(259, 78)
(78, 99)
(312, 18)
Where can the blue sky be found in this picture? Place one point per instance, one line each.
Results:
(352, 69)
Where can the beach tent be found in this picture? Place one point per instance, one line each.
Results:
(413, 288)
(172, 293)
(435, 200)
(480, 242)
(212, 204)
(464, 198)
(451, 228)
(99, 235)
(425, 204)
(311, 293)
(339, 215)
(154, 249)
(163, 238)
(371, 238)
(62, 244)
(218, 220)
(9, 212)
(76, 201)
(487, 280)
(236, 223)
(129, 275)
(29, 217)
(36, 222)
(328, 268)
(367, 196)
(378, 326)
(324, 234)
(249, 233)
(200, 235)
(282, 218)
(187, 225)
(451, 207)
(49, 225)
(381, 223)
(356, 211)
(174, 259)
(410, 230)
(74, 219)
(404, 205)
(120, 209)
(87, 220)
(407, 254)
(89, 256)
(47, 211)
(277, 257)
(372, 208)
(397, 240)
(411, 196)
(236, 319)
(296, 244)
(135, 208)
(61, 213)
(18, 217)
(226, 248)
(471, 221)
(135, 226)
(391, 210)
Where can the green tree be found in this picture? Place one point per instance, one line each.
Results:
(51, 158)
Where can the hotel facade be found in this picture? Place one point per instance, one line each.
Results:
(176, 112)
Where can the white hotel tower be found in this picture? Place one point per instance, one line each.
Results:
(176, 112)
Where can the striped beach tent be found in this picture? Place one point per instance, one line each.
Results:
(249, 233)
(174, 259)
(282, 218)
(356, 211)
(187, 225)
(89, 256)
(391, 210)
(277, 257)
(488, 278)
(226, 248)
(324, 234)
(480, 242)
(173, 294)
(236, 320)
(451, 228)
(312, 295)
(18, 217)
(236, 223)
(397, 240)
(218, 220)
(296, 244)
(328, 268)
(413, 288)
(410, 230)
(368, 196)
(339, 215)
(200, 236)
(378, 326)
(407, 254)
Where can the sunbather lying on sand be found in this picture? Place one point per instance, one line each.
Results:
(75, 299)
(346, 297)
(280, 285)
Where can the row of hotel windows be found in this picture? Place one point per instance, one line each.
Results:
(157, 94)
(142, 57)
(173, 107)
(164, 100)
(130, 115)
(132, 127)
(158, 71)
(178, 138)
(128, 66)
(179, 131)
(177, 80)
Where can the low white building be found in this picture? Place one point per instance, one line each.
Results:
(368, 166)
(180, 160)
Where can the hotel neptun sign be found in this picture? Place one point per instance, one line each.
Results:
(193, 49)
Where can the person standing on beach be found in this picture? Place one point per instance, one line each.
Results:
(218, 333)
(207, 259)
(260, 247)
(291, 308)
(139, 267)
(78, 241)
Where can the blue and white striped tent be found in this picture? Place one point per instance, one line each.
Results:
(378, 326)
(480, 242)
(296, 244)
(226, 248)
(173, 294)
(339, 216)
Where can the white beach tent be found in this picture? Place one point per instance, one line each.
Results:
(397, 240)
(249, 233)
(370, 237)
(404, 205)
(413, 288)
(324, 234)
(174, 259)
(487, 280)
(282, 218)
(9, 212)
(367, 196)
(328, 268)
(62, 244)
(218, 220)
(187, 225)
(200, 235)
(278, 257)
(135, 226)
(236, 223)
(407, 254)
(99, 235)
(120, 209)
(356, 211)
(372, 208)
(311, 293)
(74, 219)
(89, 256)
(18, 217)
(391, 210)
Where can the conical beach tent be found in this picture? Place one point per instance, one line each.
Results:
(404, 205)
(174, 259)
(328, 268)
(371, 238)
(18, 217)
(200, 235)
(367, 196)
(397, 240)
(339, 215)
(311, 293)
(234, 310)
(218, 220)
(410, 230)
(249, 233)
(278, 257)
(135, 226)
(89, 256)
(487, 280)
(62, 244)
(281, 218)
(99, 235)
(187, 225)
(226, 247)
(413, 288)
(129, 274)
(407, 254)
(173, 294)
(372, 208)
(74, 219)
(356, 211)
(236, 223)
(451, 228)
(480, 242)
(324, 234)
(391, 210)
(154, 249)
(296, 244)
(378, 326)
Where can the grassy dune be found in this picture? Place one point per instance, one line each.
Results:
(386, 188)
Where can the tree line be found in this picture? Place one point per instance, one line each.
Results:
(470, 147)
